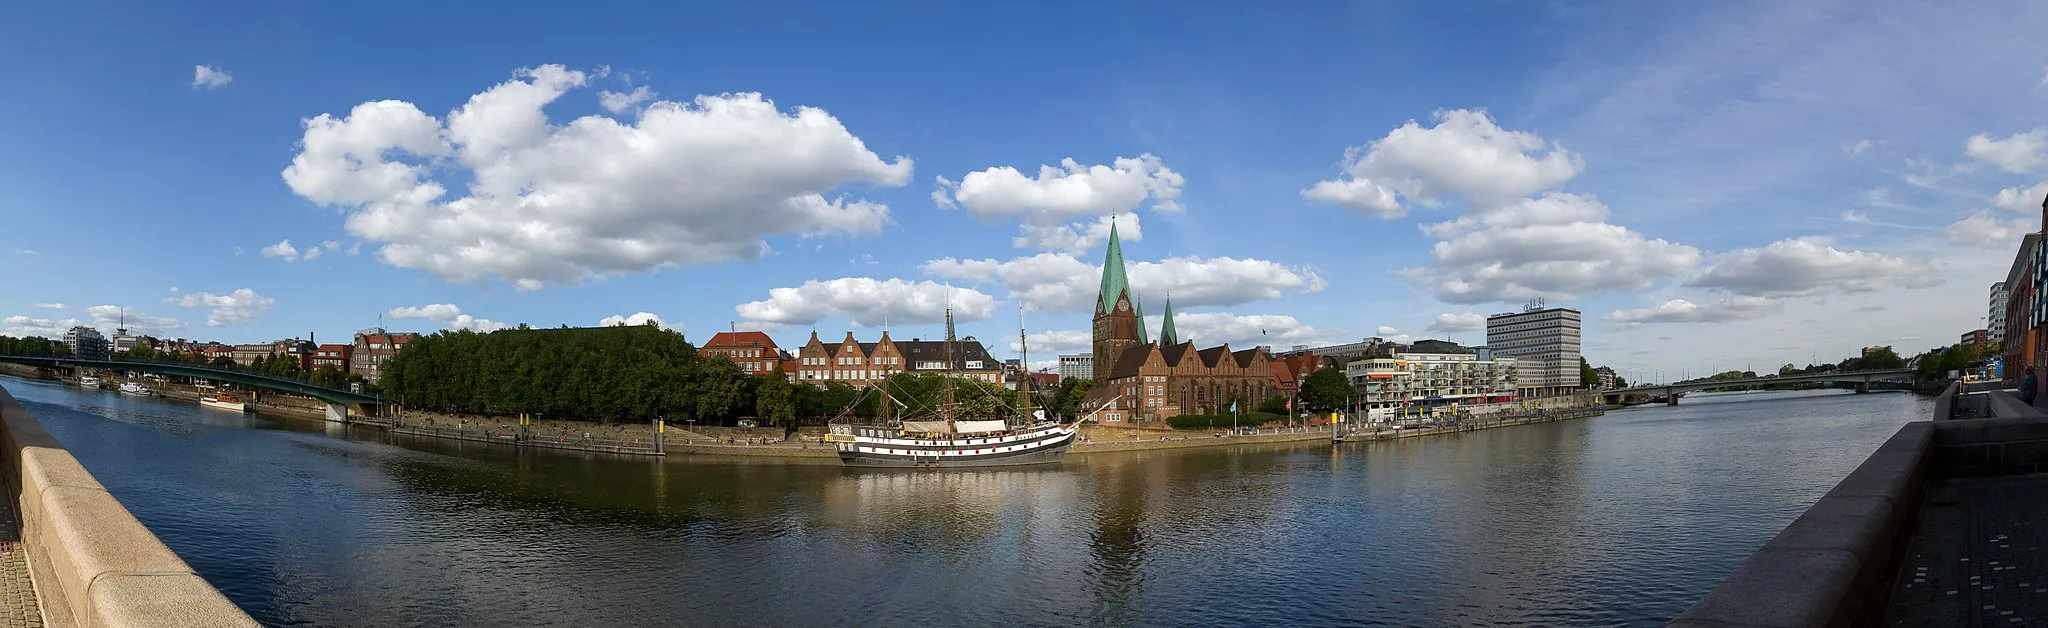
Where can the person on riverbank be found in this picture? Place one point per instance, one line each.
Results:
(2028, 387)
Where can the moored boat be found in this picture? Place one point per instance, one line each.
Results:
(89, 381)
(947, 441)
(223, 401)
(133, 388)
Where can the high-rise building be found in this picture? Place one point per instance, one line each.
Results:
(1995, 323)
(1545, 345)
(1430, 373)
(86, 342)
(1077, 366)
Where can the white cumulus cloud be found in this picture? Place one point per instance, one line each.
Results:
(1393, 335)
(1464, 154)
(1458, 322)
(24, 326)
(1051, 342)
(1983, 229)
(548, 203)
(1683, 311)
(2019, 152)
(618, 103)
(1060, 194)
(1803, 267)
(637, 319)
(50, 306)
(282, 250)
(1079, 237)
(109, 318)
(209, 77)
(2021, 199)
(1208, 329)
(1059, 282)
(449, 316)
(1558, 246)
(867, 302)
(240, 306)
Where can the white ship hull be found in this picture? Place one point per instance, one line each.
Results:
(218, 404)
(882, 446)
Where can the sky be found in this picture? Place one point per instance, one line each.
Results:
(1715, 186)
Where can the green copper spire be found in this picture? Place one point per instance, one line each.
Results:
(1113, 280)
(1167, 337)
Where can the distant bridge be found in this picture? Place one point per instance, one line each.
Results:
(1861, 378)
(335, 398)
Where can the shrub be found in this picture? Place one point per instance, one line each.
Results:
(1222, 421)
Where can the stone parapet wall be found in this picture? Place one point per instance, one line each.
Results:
(1834, 564)
(93, 563)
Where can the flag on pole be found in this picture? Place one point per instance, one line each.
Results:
(1233, 407)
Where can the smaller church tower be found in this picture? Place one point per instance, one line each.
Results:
(1167, 336)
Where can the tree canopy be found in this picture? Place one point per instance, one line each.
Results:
(32, 345)
(1325, 390)
(626, 373)
(1587, 376)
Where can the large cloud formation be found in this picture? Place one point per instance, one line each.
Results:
(683, 183)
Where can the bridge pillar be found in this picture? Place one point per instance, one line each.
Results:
(337, 413)
(1670, 397)
(1863, 387)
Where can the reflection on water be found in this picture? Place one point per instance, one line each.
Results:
(1619, 520)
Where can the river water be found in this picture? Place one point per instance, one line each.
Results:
(1617, 520)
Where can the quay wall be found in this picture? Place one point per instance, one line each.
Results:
(93, 563)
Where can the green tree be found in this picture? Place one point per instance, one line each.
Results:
(1620, 383)
(775, 400)
(1787, 369)
(1587, 377)
(1276, 404)
(1325, 390)
(1067, 397)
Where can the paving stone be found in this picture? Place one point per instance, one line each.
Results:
(1973, 559)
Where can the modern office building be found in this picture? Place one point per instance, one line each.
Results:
(1995, 323)
(1077, 366)
(86, 342)
(1545, 345)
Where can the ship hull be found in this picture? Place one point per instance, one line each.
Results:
(1039, 446)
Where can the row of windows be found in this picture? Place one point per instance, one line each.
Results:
(738, 353)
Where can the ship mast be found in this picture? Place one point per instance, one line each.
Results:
(946, 405)
(1024, 367)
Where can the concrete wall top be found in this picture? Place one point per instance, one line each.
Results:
(92, 562)
(1830, 567)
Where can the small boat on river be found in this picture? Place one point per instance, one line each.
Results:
(89, 381)
(223, 401)
(133, 388)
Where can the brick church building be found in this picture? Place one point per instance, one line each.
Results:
(1141, 380)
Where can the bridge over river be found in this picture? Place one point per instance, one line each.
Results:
(338, 400)
(1862, 379)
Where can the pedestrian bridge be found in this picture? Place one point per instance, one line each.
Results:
(1862, 378)
(336, 399)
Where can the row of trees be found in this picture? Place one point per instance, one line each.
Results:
(638, 373)
(32, 345)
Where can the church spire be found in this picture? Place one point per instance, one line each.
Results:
(1113, 281)
(1167, 337)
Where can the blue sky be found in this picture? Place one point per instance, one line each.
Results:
(1714, 186)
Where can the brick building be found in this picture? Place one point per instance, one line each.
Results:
(754, 352)
(866, 363)
(372, 347)
(1144, 381)
(335, 355)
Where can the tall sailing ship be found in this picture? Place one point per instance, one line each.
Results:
(948, 440)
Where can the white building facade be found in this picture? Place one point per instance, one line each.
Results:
(1996, 322)
(1079, 366)
(1386, 385)
(1544, 343)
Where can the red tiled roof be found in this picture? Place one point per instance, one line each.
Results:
(740, 339)
(1281, 373)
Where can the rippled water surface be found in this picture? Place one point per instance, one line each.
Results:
(1618, 520)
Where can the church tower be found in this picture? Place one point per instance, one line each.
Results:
(1119, 320)
(1167, 336)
